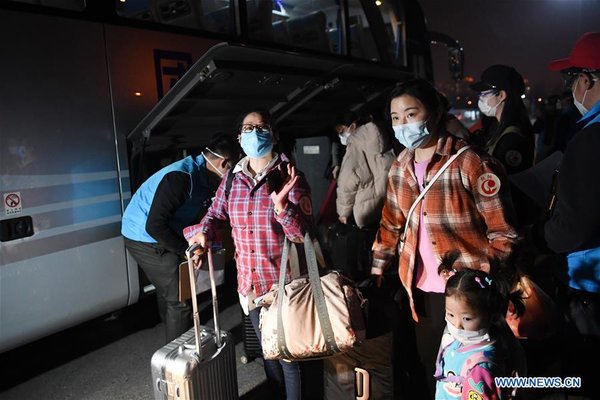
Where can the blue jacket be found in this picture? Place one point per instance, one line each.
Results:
(136, 215)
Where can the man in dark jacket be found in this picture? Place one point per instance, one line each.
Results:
(574, 227)
(153, 223)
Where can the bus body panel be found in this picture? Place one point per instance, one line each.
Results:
(45, 294)
(58, 157)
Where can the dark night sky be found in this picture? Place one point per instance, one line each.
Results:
(526, 34)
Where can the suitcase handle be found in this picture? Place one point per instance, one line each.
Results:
(213, 288)
(190, 256)
(363, 382)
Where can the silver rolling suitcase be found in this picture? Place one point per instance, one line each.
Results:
(185, 370)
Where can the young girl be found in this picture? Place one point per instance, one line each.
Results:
(477, 345)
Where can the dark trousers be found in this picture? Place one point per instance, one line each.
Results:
(419, 343)
(162, 269)
(283, 376)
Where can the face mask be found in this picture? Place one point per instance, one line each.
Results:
(580, 107)
(468, 337)
(344, 137)
(217, 170)
(257, 145)
(485, 108)
(413, 134)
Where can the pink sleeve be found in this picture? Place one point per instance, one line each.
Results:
(479, 384)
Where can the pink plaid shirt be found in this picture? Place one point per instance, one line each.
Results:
(258, 233)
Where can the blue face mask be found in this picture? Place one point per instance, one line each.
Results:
(255, 144)
(412, 135)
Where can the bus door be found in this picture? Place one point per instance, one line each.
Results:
(303, 93)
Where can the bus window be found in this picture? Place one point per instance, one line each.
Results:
(208, 15)
(361, 41)
(72, 5)
(303, 23)
(394, 30)
(218, 16)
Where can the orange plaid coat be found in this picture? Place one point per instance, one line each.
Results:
(468, 209)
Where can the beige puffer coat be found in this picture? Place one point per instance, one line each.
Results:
(363, 175)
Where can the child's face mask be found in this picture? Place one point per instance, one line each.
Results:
(467, 337)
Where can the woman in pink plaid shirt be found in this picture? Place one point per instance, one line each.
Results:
(267, 201)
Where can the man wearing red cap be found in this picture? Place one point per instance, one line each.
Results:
(574, 227)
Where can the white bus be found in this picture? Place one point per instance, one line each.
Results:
(95, 97)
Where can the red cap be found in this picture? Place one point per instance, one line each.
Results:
(585, 54)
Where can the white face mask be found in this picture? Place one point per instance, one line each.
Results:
(485, 108)
(413, 134)
(217, 170)
(344, 137)
(580, 107)
(468, 337)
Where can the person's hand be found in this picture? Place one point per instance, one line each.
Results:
(335, 171)
(199, 238)
(280, 198)
(343, 220)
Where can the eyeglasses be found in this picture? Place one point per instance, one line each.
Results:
(571, 76)
(247, 128)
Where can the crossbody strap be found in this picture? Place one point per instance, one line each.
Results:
(426, 189)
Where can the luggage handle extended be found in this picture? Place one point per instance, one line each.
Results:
(196, 317)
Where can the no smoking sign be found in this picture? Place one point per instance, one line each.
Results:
(12, 203)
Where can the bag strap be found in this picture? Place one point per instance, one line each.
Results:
(317, 292)
(228, 183)
(280, 293)
(426, 189)
(492, 146)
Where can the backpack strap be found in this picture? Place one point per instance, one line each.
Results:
(511, 129)
(228, 183)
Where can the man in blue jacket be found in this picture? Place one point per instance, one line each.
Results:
(153, 223)
(574, 227)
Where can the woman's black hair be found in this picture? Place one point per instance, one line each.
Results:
(515, 113)
(265, 115)
(421, 89)
(487, 293)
